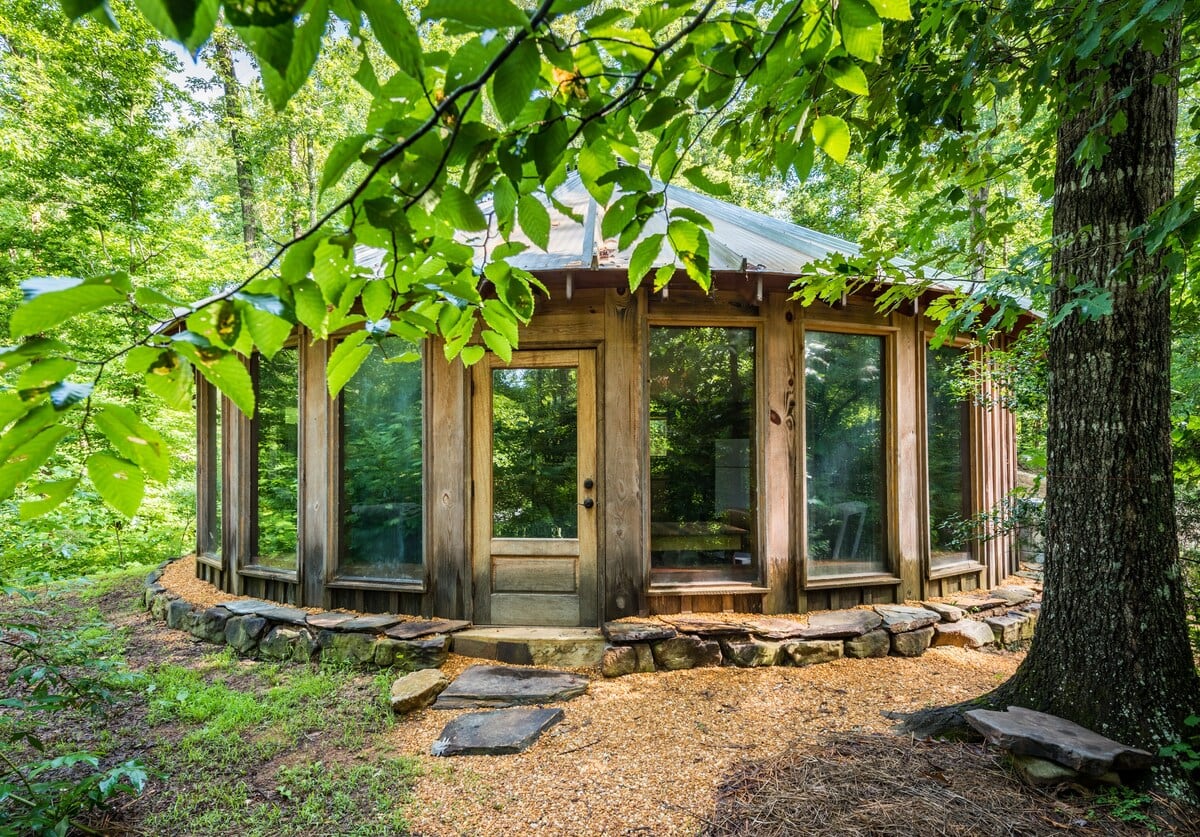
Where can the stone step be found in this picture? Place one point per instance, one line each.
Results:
(566, 647)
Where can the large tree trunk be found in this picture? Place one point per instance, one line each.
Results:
(234, 118)
(1111, 650)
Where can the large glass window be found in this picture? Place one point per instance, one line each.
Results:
(703, 485)
(209, 457)
(949, 456)
(535, 453)
(276, 426)
(844, 444)
(382, 466)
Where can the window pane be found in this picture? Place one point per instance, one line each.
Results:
(947, 417)
(382, 466)
(844, 444)
(276, 420)
(703, 488)
(214, 535)
(534, 453)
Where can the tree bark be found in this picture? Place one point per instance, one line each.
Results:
(234, 117)
(1111, 650)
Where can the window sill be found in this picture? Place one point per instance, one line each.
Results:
(389, 584)
(706, 588)
(256, 571)
(861, 580)
(210, 560)
(960, 568)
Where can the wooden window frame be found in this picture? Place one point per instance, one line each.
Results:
(333, 447)
(718, 318)
(209, 458)
(890, 575)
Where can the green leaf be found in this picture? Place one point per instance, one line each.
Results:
(43, 374)
(618, 216)
(700, 179)
(50, 300)
(395, 33)
(135, 440)
(12, 357)
(341, 157)
(515, 80)
(833, 136)
(119, 482)
(643, 258)
(147, 297)
(27, 457)
(224, 370)
(534, 219)
(376, 298)
(501, 320)
(306, 45)
(595, 161)
(188, 22)
(52, 495)
(345, 360)
(471, 355)
(476, 14)
(689, 214)
(271, 45)
(663, 275)
(311, 308)
(165, 372)
(847, 75)
(268, 332)
(498, 344)
(862, 33)
(893, 9)
(458, 209)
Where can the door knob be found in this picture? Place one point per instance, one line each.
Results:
(588, 484)
(588, 503)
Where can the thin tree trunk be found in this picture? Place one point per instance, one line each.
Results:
(299, 195)
(234, 117)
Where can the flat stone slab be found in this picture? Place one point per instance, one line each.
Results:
(900, 618)
(966, 633)
(416, 690)
(773, 627)
(286, 615)
(247, 607)
(425, 627)
(1025, 732)
(974, 604)
(949, 613)
(1012, 594)
(370, 624)
(329, 620)
(498, 686)
(627, 632)
(499, 733)
(701, 626)
(526, 646)
(841, 624)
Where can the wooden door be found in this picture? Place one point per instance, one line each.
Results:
(535, 492)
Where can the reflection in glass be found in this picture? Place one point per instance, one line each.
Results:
(381, 415)
(214, 533)
(844, 444)
(947, 418)
(276, 421)
(703, 488)
(534, 453)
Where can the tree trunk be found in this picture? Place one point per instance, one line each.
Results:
(234, 117)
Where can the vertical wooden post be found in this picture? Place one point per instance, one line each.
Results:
(447, 486)
(318, 475)
(908, 504)
(776, 506)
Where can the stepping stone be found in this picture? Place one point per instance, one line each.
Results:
(771, 627)
(413, 691)
(1032, 575)
(287, 615)
(701, 626)
(1007, 628)
(627, 632)
(329, 620)
(497, 686)
(247, 607)
(425, 627)
(841, 624)
(900, 618)
(974, 604)
(373, 624)
(499, 733)
(1013, 594)
(949, 613)
(1029, 733)
(965, 634)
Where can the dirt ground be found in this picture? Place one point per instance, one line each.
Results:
(707, 751)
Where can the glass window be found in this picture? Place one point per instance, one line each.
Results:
(276, 426)
(703, 485)
(949, 455)
(209, 458)
(383, 465)
(844, 445)
(535, 453)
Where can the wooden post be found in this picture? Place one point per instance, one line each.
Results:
(778, 552)
(447, 487)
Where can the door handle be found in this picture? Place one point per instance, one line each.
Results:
(588, 503)
(588, 484)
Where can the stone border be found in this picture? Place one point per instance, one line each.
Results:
(255, 628)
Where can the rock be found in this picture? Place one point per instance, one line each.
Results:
(152, 577)
(176, 611)
(242, 632)
(618, 660)
(900, 618)
(704, 626)
(247, 607)
(626, 632)
(416, 690)
(306, 649)
(355, 649)
(368, 624)
(502, 732)
(496, 686)
(976, 604)
(751, 652)
(965, 634)
(1028, 733)
(772, 627)
(912, 643)
(875, 643)
(209, 625)
(807, 652)
(1012, 594)
(425, 627)
(682, 652)
(279, 643)
(328, 620)
(841, 624)
(1042, 772)
(1028, 623)
(949, 613)
(158, 604)
(284, 615)
(149, 594)
(1006, 628)
(645, 658)
(412, 654)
